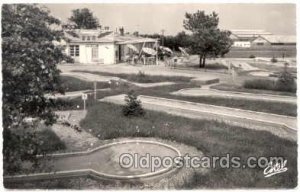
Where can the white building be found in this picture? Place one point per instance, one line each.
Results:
(105, 47)
(244, 38)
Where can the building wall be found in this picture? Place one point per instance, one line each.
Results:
(241, 44)
(105, 53)
(258, 42)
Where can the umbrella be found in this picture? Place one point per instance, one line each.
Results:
(183, 51)
(167, 49)
(149, 51)
(133, 48)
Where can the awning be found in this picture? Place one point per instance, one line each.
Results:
(149, 51)
(133, 48)
(167, 49)
(183, 51)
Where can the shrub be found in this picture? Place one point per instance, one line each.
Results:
(252, 56)
(285, 81)
(274, 60)
(133, 106)
(259, 84)
(51, 142)
(141, 77)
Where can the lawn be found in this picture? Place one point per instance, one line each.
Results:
(211, 137)
(262, 106)
(75, 84)
(164, 91)
(141, 77)
(214, 138)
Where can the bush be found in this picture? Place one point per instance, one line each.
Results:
(274, 60)
(252, 56)
(141, 77)
(133, 106)
(259, 84)
(51, 142)
(286, 81)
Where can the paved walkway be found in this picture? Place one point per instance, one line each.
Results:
(283, 126)
(194, 92)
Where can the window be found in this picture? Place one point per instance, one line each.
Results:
(94, 38)
(74, 50)
(259, 43)
(83, 38)
(88, 38)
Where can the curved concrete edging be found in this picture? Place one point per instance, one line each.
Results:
(261, 113)
(85, 172)
(182, 101)
(243, 93)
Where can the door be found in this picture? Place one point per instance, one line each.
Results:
(95, 52)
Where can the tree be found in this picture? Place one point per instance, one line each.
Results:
(133, 106)
(207, 38)
(84, 19)
(29, 70)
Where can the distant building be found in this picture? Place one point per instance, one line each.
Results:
(244, 38)
(260, 38)
(274, 40)
(104, 46)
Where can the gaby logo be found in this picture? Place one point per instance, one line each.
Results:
(275, 168)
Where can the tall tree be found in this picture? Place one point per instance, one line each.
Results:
(84, 19)
(29, 70)
(207, 38)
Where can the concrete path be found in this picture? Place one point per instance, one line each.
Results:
(283, 126)
(194, 92)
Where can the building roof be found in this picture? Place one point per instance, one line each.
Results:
(280, 38)
(131, 39)
(249, 33)
(98, 36)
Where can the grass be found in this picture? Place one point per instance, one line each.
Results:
(212, 137)
(231, 87)
(164, 91)
(141, 77)
(74, 84)
(261, 106)
(267, 84)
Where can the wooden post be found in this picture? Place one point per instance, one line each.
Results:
(84, 98)
(156, 52)
(84, 105)
(95, 90)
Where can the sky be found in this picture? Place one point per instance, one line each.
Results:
(279, 19)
